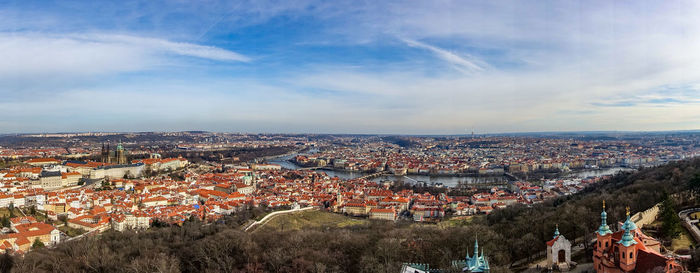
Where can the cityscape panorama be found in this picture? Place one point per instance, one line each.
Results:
(320, 136)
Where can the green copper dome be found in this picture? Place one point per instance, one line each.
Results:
(629, 224)
(627, 239)
(604, 229)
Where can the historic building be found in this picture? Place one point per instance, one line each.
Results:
(558, 252)
(629, 250)
(116, 157)
(478, 263)
(475, 264)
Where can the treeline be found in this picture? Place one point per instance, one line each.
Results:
(512, 235)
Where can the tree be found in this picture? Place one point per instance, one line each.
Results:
(12, 210)
(63, 218)
(37, 244)
(671, 223)
(694, 184)
(6, 262)
(5, 222)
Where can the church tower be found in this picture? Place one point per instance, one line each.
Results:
(628, 253)
(105, 156)
(603, 235)
(120, 154)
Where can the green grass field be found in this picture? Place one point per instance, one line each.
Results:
(312, 219)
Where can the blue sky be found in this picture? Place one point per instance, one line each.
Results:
(408, 67)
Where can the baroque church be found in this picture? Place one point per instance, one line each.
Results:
(629, 250)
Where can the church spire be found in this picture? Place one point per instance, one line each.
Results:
(604, 229)
(476, 247)
(556, 231)
(628, 226)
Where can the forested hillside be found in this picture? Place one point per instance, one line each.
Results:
(506, 236)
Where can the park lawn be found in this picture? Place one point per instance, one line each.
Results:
(312, 219)
(38, 215)
(71, 232)
(694, 215)
(683, 241)
(456, 221)
(5, 212)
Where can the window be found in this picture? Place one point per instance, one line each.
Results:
(631, 255)
(599, 244)
(623, 255)
(606, 244)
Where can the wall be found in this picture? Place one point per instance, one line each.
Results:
(646, 217)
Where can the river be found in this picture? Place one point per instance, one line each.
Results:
(448, 181)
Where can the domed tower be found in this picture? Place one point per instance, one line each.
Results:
(120, 154)
(627, 245)
(603, 235)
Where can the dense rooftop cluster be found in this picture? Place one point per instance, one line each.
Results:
(496, 155)
(68, 197)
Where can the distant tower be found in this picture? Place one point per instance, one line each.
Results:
(120, 154)
(105, 156)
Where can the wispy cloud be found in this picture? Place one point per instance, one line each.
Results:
(464, 64)
(178, 48)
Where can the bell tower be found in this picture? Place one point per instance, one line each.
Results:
(628, 250)
(603, 235)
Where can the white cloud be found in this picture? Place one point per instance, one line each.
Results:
(38, 54)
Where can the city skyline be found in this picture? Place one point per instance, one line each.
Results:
(437, 68)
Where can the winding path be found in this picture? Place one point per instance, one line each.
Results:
(269, 217)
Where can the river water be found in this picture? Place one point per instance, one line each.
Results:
(448, 181)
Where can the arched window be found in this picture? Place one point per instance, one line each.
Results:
(606, 244)
(623, 255)
(600, 244)
(631, 255)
